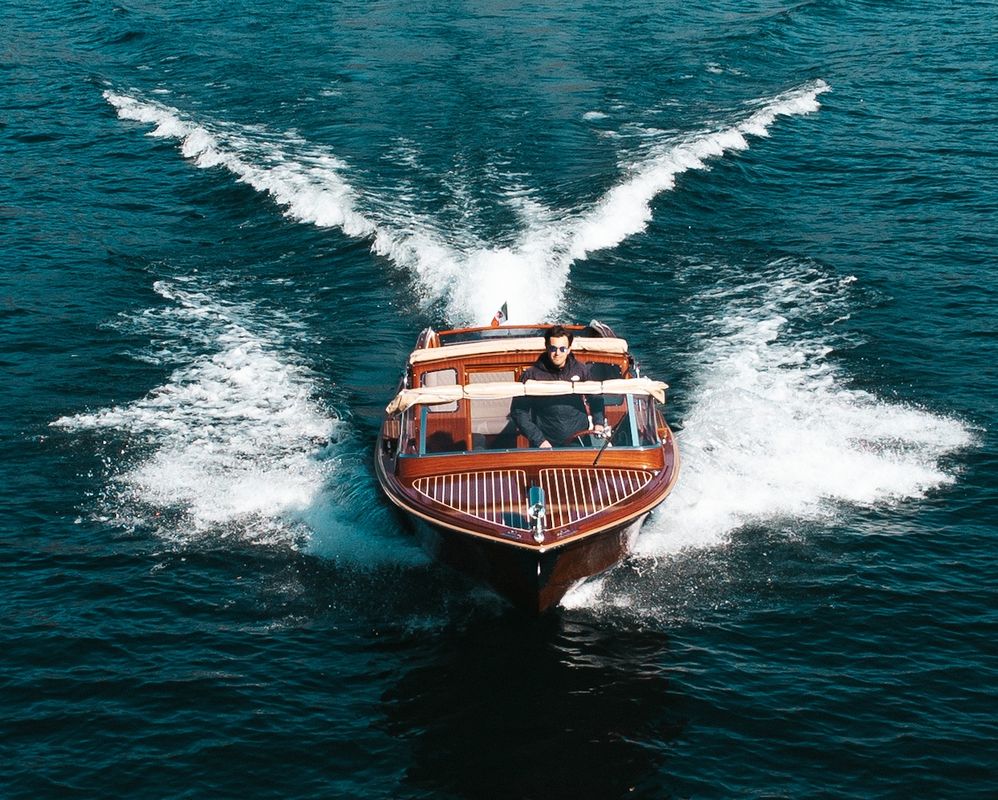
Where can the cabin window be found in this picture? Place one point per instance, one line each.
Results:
(604, 371)
(407, 434)
(645, 421)
(634, 425)
(441, 377)
(443, 433)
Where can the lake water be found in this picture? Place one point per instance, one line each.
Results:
(223, 226)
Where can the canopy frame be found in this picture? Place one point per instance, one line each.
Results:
(436, 395)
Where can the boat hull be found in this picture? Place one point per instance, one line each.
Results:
(531, 576)
(530, 522)
(532, 580)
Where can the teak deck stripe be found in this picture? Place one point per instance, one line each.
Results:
(500, 496)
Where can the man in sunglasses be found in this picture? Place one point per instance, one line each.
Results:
(551, 421)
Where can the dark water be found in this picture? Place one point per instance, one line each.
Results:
(223, 225)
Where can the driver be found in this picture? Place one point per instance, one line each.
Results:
(549, 421)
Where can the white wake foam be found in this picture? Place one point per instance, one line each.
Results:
(472, 277)
(309, 185)
(626, 208)
(775, 434)
(235, 444)
(231, 444)
(775, 429)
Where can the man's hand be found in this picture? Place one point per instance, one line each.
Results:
(602, 430)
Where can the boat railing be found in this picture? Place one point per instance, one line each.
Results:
(451, 392)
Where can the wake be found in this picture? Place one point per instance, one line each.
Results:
(234, 443)
(774, 430)
(234, 431)
(776, 436)
(470, 276)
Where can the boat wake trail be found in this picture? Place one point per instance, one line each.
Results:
(775, 435)
(308, 185)
(626, 208)
(775, 429)
(457, 265)
(233, 445)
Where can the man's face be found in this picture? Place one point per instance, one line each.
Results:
(558, 350)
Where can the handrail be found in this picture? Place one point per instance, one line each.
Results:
(435, 395)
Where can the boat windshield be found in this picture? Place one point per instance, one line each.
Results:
(472, 425)
(513, 332)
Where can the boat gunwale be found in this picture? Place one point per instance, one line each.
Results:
(412, 501)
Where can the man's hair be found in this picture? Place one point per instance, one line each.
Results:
(556, 331)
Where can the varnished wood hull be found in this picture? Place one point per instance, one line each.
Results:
(532, 577)
(533, 581)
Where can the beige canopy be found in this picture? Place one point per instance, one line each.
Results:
(526, 344)
(433, 395)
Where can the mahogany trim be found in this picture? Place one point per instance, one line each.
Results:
(410, 467)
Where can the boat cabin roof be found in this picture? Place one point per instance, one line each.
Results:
(522, 344)
(594, 329)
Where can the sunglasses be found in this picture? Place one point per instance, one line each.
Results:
(553, 348)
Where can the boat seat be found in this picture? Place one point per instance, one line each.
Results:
(491, 428)
(505, 439)
(444, 442)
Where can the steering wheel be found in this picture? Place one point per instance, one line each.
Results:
(579, 434)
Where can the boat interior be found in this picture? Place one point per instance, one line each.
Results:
(464, 358)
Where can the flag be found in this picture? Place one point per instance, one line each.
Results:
(501, 316)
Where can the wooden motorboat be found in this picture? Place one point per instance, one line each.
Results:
(530, 522)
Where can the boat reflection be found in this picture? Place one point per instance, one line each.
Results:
(553, 709)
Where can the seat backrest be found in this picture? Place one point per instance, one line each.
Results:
(490, 417)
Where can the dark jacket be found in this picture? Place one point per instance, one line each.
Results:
(554, 418)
